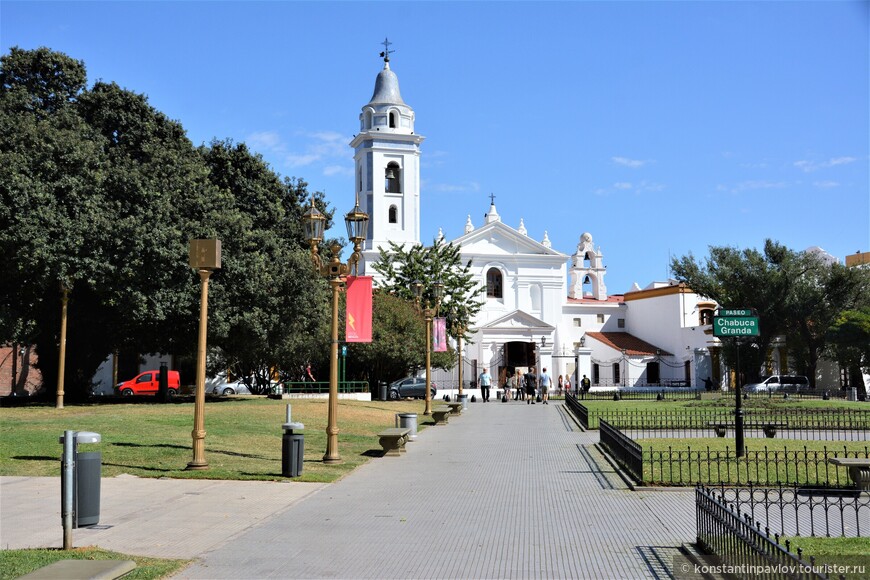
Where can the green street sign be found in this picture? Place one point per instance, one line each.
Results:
(735, 326)
(735, 312)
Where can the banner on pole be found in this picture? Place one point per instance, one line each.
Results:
(439, 335)
(358, 319)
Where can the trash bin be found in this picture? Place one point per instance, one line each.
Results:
(408, 421)
(852, 393)
(292, 449)
(463, 398)
(87, 471)
(382, 391)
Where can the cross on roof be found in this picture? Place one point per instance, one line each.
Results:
(492, 199)
(387, 51)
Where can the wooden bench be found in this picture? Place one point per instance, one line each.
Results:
(859, 470)
(455, 407)
(393, 440)
(768, 427)
(440, 414)
(84, 569)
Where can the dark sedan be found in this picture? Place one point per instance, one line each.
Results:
(410, 387)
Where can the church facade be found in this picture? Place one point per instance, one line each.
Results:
(543, 308)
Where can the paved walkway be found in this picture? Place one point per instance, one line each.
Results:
(503, 491)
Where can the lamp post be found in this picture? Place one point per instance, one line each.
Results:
(335, 272)
(205, 257)
(64, 300)
(429, 309)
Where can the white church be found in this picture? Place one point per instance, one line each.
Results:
(543, 308)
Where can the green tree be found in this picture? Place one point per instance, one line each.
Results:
(849, 337)
(820, 292)
(270, 308)
(101, 194)
(398, 340)
(401, 267)
(795, 294)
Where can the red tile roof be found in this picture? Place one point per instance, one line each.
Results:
(632, 345)
(590, 300)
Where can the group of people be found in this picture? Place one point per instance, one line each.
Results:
(532, 387)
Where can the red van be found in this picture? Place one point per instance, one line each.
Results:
(147, 383)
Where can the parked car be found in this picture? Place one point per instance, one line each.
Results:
(414, 387)
(779, 382)
(232, 388)
(147, 383)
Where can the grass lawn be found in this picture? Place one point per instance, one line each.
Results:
(15, 563)
(766, 461)
(835, 551)
(243, 436)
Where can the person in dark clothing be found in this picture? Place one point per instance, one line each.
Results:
(531, 385)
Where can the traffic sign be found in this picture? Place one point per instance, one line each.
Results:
(736, 312)
(735, 326)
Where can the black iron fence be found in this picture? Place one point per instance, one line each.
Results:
(806, 424)
(625, 451)
(791, 510)
(738, 541)
(798, 466)
(759, 464)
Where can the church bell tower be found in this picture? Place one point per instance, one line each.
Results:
(387, 166)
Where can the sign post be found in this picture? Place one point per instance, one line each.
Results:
(736, 323)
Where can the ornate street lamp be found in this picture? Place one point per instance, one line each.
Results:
(429, 309)
(313, 222)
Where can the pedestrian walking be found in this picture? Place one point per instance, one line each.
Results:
(546, 382)
(520, 386)
(531, 382)
(585, 384)
(561, 384)
(485, 382)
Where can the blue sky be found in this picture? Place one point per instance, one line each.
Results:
(660, 127)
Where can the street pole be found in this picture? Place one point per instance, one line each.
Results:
(738, 408)
(332, 455)
(428, 315)
(64, 299)
(198, 434)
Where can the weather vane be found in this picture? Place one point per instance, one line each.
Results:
(387, 51)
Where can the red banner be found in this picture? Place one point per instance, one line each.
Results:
(358, 319)
(439, 335)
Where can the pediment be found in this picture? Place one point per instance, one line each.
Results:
(498, 239)
(518, 320)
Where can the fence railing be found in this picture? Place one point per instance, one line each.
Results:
(703, 465)
(740, 542)
(791, 510)
(323, 387)
(579, 411)
(812, 424)
(625, 451)
(804, 467)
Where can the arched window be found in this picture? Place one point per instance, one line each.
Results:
(588, 259)
(706, 316)
(394, 214)
(368, 120)
(392, 119)
(392, 178)
(494, 283)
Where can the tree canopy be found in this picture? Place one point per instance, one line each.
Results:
(401, 267)
(796, 294)
(100, 194)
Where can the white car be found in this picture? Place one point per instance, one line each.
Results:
(779, 382)
(234, 388)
